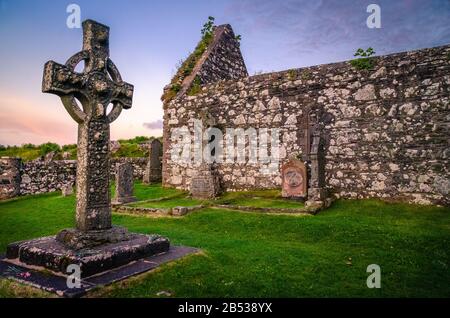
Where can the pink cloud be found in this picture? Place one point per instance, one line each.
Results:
(22, 122)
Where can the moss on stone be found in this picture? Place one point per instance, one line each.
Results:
(292, 74)
(187, 67)
(306, 75)
(195, 87)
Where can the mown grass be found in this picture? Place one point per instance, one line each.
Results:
(154, 191)
(258, 199)
(187, 202)
(264, 203)
(260, 255)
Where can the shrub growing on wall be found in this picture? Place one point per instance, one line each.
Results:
(188, 65)
(365, 62)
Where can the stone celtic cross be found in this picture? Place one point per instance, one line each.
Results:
(99, 85)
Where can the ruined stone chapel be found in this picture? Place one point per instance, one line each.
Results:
(360, 133)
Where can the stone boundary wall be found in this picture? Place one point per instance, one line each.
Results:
(385, 130)
(40, 177)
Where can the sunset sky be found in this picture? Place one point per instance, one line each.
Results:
(148, 38)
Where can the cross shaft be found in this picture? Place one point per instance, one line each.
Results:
(96, 87)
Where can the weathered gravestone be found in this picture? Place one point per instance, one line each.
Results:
(94, 244)
(294, 179)
(124, 183)
(153, 170)
(316, 191)
(67, 189)
(205, 183)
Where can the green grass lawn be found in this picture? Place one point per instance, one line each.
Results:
(265, 203)
(153, 191)
(259, 199)
(261, 255)
(187, 202)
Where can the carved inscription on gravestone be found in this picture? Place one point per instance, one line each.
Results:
(294, 179)
(153, 170)
(124, 183)
(205, 183)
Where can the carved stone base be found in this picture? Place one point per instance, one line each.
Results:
(317, 194)
(123, 248)
(318, 198)
(77, 240)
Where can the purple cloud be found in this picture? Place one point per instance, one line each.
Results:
(157, 124)
(300, 32)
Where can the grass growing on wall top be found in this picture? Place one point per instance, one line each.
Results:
(187, 66)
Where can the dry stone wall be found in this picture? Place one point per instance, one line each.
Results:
(41, 177)
(38, 176)
(385, 130)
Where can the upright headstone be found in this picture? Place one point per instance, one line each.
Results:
(294, 179)
(205, 182)
(10, 177)
(124, 183)
(67, 189)
(94, 244)
(317, 193)
(153, 170)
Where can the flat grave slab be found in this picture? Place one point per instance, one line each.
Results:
(57, 283)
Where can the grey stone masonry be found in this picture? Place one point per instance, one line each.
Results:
(221, 61)
(223, 58)
(42, 177)
(383, 131)
(9, 177)
(38, 176)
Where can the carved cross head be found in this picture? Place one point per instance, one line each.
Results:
(97, 86)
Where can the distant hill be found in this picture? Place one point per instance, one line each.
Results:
(136, 147)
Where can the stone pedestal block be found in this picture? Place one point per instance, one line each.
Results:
(50, 253)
